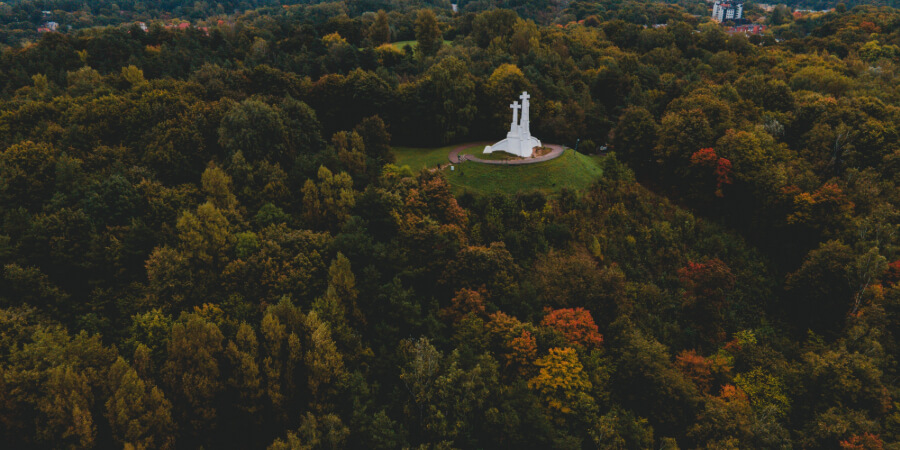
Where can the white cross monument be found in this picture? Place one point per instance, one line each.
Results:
(519, 140)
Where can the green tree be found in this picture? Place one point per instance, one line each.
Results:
(326, 204)
(377, 139)
(339, 308)
(820, 290)
(138, 413)
(635, 136)
(325, 367)
(428, 33)
(446, 95)
(134, 76)
(27, 174)
(647, 384)
(302, 127)
(245, 381)
(282, 356)
(351, 153)
(256, 129)
(217, 186)
(380, 31)
(192, 374)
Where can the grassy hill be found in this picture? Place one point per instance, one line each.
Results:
(571, 170)
(422, 158)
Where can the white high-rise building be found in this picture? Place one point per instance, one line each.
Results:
(723, 10)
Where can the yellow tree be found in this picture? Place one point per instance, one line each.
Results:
(503, 87)
(328, 202)
(562, 383)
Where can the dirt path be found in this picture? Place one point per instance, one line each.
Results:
(456, 158)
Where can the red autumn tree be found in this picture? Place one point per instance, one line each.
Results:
(707, 157)
(704, 157)
(576, 324)
(892, 276)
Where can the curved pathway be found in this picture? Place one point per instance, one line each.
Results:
(456, 158)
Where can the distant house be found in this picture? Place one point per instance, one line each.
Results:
(48, 27)
(747, 29)
(179, 26)
(186, 25)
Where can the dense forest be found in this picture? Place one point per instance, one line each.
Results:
(206, 239)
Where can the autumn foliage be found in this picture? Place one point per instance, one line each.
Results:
(465, 302)
(707, 157)
(865, 441)
(561, 382)
(892, 275)
(522, 351)
(576, 324)
(230, 234)
(701, 370)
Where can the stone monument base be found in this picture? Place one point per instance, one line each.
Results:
(516, 146)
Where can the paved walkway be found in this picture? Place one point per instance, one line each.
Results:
(456, 158)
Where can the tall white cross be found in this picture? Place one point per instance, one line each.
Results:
(525, 124)
(515, 122)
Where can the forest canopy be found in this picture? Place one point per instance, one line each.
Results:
(207, 239)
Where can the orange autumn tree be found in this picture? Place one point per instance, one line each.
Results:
(826, 208)
(464, 303)
(515, 340)
(576, 324)
(522, 351)
(701, 370)
(865, 441)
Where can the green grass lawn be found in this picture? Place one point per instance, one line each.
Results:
(400, 44)
(571, 170)
(421, 158)
(478, 152)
